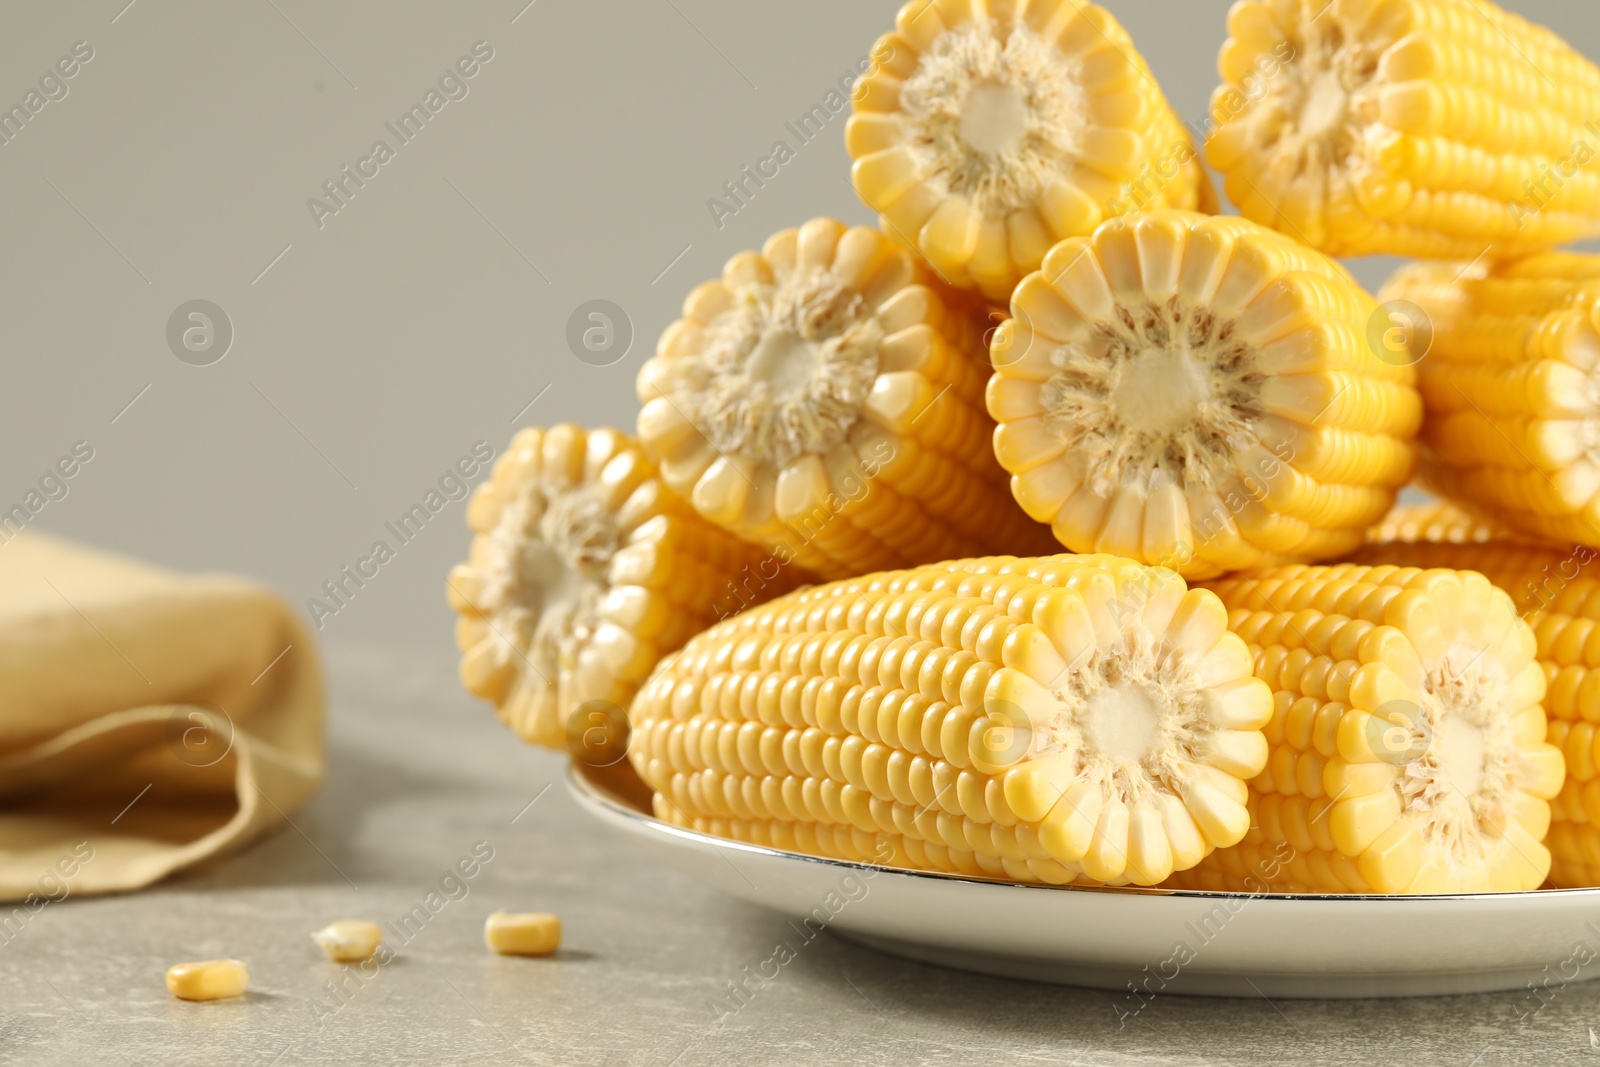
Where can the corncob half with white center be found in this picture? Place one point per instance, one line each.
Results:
(1510, 379)
(823, 399)
(1428, 128)
(584, 571)
(991, 129)
(1199, 392)
(1044, 720)
(1408, 748)
(1558, 593)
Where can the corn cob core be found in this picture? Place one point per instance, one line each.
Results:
(988, 131)
(1407, 740)
(1197, 392)
(1558, 593)
(823, 399)
(1511, 384)
(583, 572)
(1043, 720)
(1428, 128)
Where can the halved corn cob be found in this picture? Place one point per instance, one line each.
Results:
(822, 399)
(1044, 720)
(991, 129)
(1511, 383)
(1199, 392)
(1408, 751)
(584, 571)
(1558, 593)
(1429, 128)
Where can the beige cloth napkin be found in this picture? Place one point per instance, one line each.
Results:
(148, 720)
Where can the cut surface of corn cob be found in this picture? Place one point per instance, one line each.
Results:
(1198, 392)
(584, 571)
(823, 399)
(991, 129)
(1511, 385)
(1044, 720)
(1428, 128)
(1557, 591)
(1408, 749)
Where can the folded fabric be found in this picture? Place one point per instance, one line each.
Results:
(148, 720)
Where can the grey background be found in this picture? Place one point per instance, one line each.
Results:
(366, 359)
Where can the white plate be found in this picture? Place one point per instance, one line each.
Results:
(1211, 944)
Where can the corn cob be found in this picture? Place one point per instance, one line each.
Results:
(1558, 593)
(1042, 720)
(823, 400)
(584, 571)
(1511, 383)
(1428, 128)
(1435, 522)
(1407, 740)
(1197, 392)
(991, 129)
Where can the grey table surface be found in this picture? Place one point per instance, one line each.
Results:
(420, 774)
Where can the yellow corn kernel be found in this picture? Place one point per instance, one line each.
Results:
(209, 980)
(984, 134)
(824, 399)
(1069, 718)
(1198, 392)
(1429, 128)
(527, 933)
(1408, 749)
(583, 572)
(1509, 386)
(349, 940)
(1557, 592)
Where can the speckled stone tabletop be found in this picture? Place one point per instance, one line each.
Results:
(421, 777)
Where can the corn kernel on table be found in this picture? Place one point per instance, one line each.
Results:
(645, 951)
